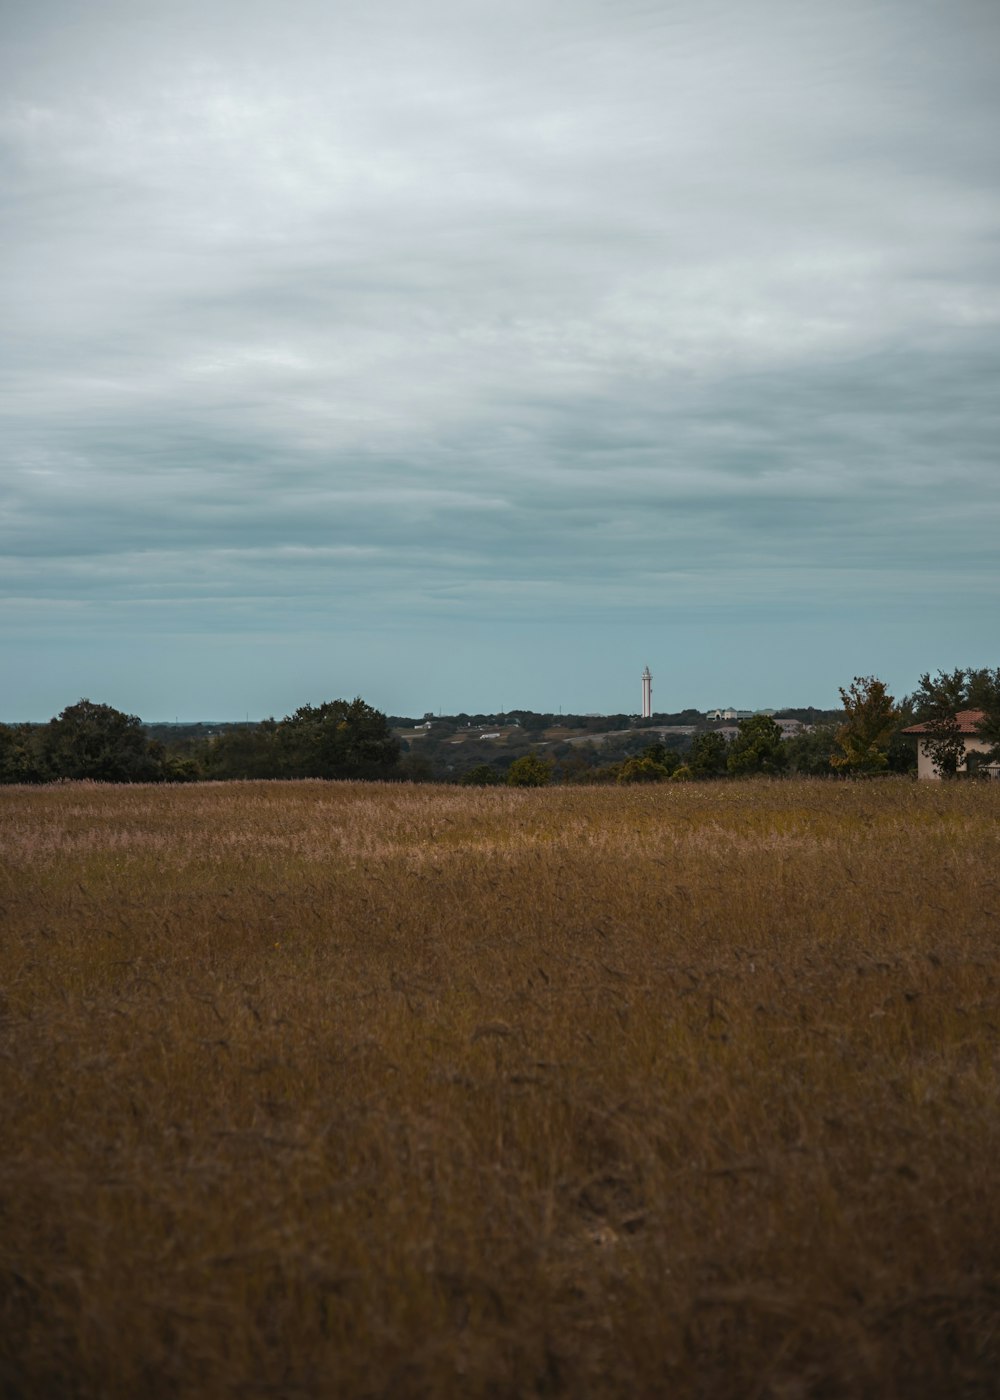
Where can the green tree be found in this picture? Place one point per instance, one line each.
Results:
(708, 755)
(870, 718)
(642, 769)
(339, 739)
(809, 752)
(939, 699)
(181, 768)
(531, 722)
(902, 751)
(483, 775)
(577, 762)
(757, 748)
(984, 694)
(982, 688)
(529, 771)
(938, 702)
(244, 753)
(21, 758)
(94, 741)
(414, 768)
(653, 765)
(669, 759)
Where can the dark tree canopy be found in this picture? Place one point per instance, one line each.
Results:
(938, 701)
(244, 753)
(21, 759)
(655, 764)
(530, 771)
(708, 755)
(95, 741)
(483, 775)
(809, 751)
(757, 748)
(339, 739)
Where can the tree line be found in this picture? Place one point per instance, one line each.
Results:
(339, 739)
(351, 739)
(869, 740)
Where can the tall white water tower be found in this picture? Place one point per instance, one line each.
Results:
(647, 694)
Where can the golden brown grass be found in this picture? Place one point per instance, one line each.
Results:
(319, 1089)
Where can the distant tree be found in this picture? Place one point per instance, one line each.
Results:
(653, 765)
(659, 753)
(415, 768)
(809, 714)
(529, 771)
(708, 755)
(531, 722)
(178, 768)
(938, 701)
(809, 752)
(989, 729)
(339, 739)
(642, 769)
(944, 694)
(483, 775)
(984, 694)
(244, 753)
(870, 718)
(982, 688)
(174, 766)
(89, 740)
(577, 762)
(757, 748)
(21, 758)
(902, 754)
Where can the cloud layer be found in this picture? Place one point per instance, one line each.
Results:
(434, 319)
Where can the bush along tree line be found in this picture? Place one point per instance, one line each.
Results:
(350, 739)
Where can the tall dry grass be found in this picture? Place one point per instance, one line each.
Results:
(335, 1090)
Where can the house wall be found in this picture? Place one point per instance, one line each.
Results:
(925, 765)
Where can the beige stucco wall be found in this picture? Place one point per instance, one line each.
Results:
(925, 767)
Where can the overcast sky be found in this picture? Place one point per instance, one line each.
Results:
(469, 355)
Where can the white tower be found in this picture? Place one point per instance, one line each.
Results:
(647, 694)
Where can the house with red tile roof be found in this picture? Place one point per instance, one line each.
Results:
(968, 721)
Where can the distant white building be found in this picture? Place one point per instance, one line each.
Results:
(728, 713)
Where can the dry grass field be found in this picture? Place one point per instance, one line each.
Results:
(319, 1089)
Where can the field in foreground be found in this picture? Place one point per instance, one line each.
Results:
(334, 1090)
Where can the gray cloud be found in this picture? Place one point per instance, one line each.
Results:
(468, 311)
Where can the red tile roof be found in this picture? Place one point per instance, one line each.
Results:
(967, 723)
